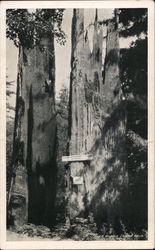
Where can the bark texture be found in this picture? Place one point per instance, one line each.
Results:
(85, 105)
(18, 194)
(37, 126)
(108, 185)
(98, 126)
(77, 114)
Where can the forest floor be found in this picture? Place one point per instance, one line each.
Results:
(76, 232)
(13, 236)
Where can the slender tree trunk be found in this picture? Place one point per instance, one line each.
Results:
(36, 125)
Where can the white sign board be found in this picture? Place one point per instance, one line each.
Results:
(77, 180)
(72, 158)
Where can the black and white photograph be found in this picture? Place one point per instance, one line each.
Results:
(77, 124)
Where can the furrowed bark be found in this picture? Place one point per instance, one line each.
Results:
(37, 128)
(98, 126)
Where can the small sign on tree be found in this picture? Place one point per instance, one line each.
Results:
(77, 180)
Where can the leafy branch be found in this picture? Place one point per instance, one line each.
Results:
(27, 29)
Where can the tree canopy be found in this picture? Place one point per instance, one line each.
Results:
(26, 28)
(133, 69)
(133, 21)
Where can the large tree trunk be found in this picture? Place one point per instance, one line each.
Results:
(97, 126)
(35, 128)
(18, 194)
(76, 145)
(108, 188)
(85, 105)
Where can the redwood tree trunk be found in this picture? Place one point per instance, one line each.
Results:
(36, 126)
(18, 194)
(108, 188)
(85, 108)
(97, 126)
